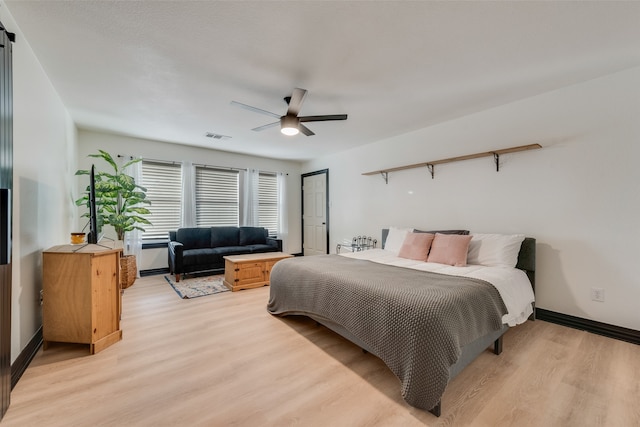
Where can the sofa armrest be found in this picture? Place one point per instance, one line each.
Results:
(276, 243)
(175, 257)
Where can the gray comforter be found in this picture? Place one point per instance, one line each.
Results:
(416, 322)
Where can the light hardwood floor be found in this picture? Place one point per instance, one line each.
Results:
(222, 360)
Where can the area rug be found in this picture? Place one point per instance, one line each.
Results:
(198, 286)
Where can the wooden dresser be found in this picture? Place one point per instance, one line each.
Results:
(251, 270)
(81, 300)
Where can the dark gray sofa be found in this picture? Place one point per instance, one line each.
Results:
(196, 249)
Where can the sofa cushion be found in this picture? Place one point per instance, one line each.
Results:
(194, 237)
(200, 257)
(224, 236)
(253, 236)
(254, 249)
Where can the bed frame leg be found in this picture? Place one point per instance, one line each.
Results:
(436, 410)
(497, 346)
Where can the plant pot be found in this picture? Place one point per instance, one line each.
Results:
(128, 270)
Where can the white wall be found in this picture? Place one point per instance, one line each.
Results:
(90, 141)
(44, 145)
(579, 196)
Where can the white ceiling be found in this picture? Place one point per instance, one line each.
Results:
(168, 70)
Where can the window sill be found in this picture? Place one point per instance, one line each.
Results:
(155, 244)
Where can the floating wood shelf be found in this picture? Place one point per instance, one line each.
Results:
(431, 165)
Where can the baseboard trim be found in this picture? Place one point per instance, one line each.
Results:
(153, 272)
(611, 331)
(25, 357)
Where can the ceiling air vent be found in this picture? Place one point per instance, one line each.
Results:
(216, 135)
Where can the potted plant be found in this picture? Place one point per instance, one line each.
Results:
(119, 200)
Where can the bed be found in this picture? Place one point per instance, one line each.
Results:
(425, 320)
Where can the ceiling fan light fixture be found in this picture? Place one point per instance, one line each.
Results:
(290, 131)
(289, 125)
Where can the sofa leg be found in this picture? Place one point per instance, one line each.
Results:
(177, 277)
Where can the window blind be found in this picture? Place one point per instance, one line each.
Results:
(217, 197)
(163, 182)
(268, 202)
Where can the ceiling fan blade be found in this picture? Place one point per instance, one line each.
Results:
(263, 127)
(305, 130)
(295, 103)
(323, 118)
(254, 109)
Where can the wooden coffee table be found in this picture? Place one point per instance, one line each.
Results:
(251, 270)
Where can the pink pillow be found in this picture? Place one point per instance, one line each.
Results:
(450, 249)
(416, 246)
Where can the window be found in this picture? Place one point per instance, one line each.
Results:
(163, 182)
(268, 202)
(216, 197)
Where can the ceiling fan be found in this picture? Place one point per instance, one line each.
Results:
(291, 123)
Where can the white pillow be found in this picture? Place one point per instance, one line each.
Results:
(495, 250)
(395, 239)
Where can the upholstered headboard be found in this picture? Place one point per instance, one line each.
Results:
(527, 259)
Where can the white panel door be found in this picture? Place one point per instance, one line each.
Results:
(314, 188)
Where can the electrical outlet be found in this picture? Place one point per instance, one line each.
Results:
(597, 294)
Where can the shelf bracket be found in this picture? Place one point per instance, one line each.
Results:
(496, 158)
(431, 169)
(385, 176)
